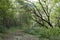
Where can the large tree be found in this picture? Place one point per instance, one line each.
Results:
(41, 11)
(6, 13)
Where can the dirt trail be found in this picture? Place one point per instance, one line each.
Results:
(19, 35)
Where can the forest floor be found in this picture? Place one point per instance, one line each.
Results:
(19, 35)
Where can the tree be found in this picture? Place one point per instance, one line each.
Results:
(6, 13)
(41, 15)
(41, 11)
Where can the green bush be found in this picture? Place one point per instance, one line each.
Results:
(3, 29)
(44, 33)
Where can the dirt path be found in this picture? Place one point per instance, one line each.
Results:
(19, 35)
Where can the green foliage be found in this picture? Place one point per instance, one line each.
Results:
(56, 1)
(43, 33)
(18, 14)
(1, 29)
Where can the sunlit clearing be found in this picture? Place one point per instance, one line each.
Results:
(33, 0)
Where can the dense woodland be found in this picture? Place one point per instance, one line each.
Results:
(40, 18)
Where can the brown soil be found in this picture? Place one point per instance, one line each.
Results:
(19, 35)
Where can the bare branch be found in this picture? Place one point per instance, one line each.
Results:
(43, 8)
(36, 8)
